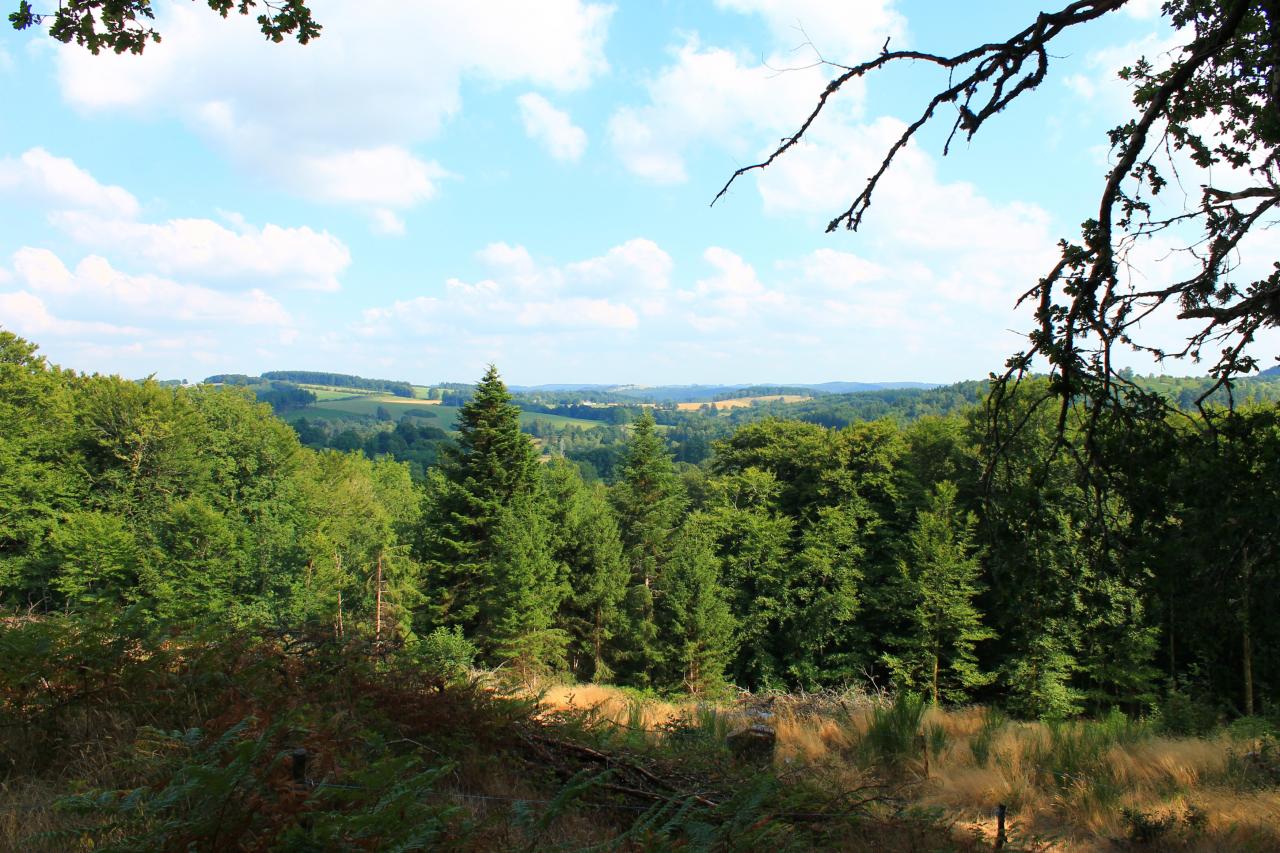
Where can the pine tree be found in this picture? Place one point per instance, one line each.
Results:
(939, 578)
(492, 465)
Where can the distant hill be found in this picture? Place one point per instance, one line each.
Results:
(708, 393)
(315, 377)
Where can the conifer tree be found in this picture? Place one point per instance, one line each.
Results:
(649, 500)
(525, 591)
(492, 465)
(588, 546)
(696, 628)
(939, 577)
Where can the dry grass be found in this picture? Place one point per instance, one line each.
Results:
(1067, 788)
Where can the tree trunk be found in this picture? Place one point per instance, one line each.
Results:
(598, 641)
(337, 563)
(1246, 636)
(377, 617)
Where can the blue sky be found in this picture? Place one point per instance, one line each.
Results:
(433, 186)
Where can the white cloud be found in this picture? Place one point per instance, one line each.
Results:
(106, 218)
(847, 33)
(27, 314)
(384, 76)
(387, 176)
(523, 295)
(301, 257)
(912, 210)
(1143, 10)
(387, 223)
(578, 313)
(95, 288)
(552, 127)
(711, 97)
(39, 176)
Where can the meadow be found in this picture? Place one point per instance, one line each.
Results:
(1074, 786)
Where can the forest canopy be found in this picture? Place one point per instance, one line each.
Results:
(934, 555)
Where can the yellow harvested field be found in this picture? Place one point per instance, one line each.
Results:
(740, 402)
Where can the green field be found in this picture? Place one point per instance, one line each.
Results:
(326, 394)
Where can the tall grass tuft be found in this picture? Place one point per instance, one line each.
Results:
(893, 733)
(980, 744)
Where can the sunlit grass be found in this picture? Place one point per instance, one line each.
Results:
(1073, 786)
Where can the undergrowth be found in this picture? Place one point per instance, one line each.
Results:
(118, 735)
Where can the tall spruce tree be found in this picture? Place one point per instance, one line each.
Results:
(939, 580)
(525, 590)
(649, 500)
(695, 625)
(492, 465)
(587, 544)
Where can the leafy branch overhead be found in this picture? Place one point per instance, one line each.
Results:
(123, 25)
(1215, 101)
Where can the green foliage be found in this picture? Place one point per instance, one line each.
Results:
(939, 576)
(696, 627)
(492, 465)
(799, 556)
(517, 616)
(120, 26)
(588, 546)
(649, 500)
(446, 652)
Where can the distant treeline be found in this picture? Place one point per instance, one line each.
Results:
(767, 391)
(284, 396)
(407, 441)
(342, 380)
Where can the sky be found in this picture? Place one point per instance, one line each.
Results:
(433, 186)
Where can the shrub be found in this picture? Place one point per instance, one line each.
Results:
(446, 653)
(1182, 715)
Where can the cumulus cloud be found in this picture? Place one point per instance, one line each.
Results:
(107, 218)
(388, 176)
(387, 223)
(632, 313)
(523, 295)
(39, 176)
(707, 96)
(27, 314)
(551, 127)
(385, 76)
(95, 288)
(301, 257)
(712, 97)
